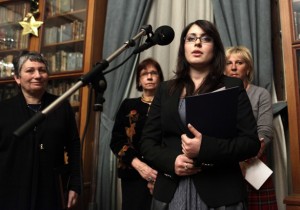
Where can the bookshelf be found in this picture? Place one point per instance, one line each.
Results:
(11, 39)
(64, 33)
(71, 38)
(290, 28)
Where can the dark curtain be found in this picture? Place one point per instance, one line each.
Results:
(248, 23)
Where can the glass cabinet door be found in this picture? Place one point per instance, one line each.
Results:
(64, 34)
(11, 38)
(296, 18)
(298, 68)
(60, 86)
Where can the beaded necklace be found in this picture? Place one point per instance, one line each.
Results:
(147, 101)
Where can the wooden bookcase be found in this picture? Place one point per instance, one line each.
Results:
(71, 38)
(290, 27)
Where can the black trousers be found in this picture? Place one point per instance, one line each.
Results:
(135, 195)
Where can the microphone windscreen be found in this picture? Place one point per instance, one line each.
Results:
(163, 35)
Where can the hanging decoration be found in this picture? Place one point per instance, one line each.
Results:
(29, 24)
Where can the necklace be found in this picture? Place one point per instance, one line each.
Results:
(34, 107)
(147, 101)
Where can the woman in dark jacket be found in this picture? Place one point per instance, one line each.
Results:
(133, 170)
(31, 164)
(199, 172)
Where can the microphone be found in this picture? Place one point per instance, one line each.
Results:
(163, 35)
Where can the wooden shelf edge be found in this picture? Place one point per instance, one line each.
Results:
(292, 200)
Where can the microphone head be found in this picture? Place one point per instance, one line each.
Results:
(163, 35)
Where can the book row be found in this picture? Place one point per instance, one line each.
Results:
(58, 62)
(55, 87)
(65, 32)
(64, 61)
(58, 87)
(58, 7)
(12, 13)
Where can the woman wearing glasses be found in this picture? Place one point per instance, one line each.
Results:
(133, 171)
(200, 172)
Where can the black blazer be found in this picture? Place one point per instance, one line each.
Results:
(217, 185)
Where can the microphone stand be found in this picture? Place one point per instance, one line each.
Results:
(93, 77)
(96, 78)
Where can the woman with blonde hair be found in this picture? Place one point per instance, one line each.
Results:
(240, 65)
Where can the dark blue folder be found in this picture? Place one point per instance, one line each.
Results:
(214, 114)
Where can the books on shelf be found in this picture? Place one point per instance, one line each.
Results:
(64, 61)
(297, 24)
(58, 87)
(66, 6)
(66, 32)
(78, 29)
(296, 18)
(51, 35)
(57, 7)
(13, 13)
(71, 61)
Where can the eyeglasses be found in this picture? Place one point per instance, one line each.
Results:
(152, 73)
(193, 38)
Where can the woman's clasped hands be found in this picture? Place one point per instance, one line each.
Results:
(184, 163)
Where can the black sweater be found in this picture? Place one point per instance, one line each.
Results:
(28, 164)
(126, 135)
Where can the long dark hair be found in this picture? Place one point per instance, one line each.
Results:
(218, 63)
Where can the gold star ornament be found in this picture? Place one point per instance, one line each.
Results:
(30, 25)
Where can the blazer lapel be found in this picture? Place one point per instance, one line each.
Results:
(175, 100)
